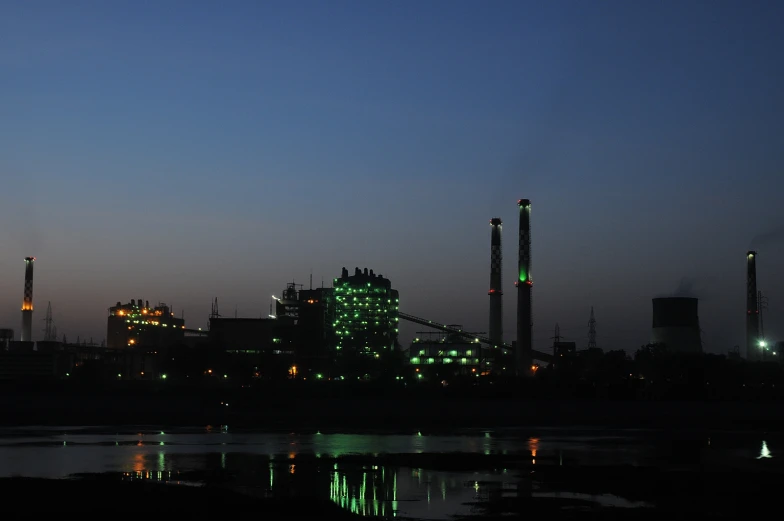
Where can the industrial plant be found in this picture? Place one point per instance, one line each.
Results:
(348, 330)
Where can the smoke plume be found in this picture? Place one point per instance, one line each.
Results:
(686, 288)
(764, 239)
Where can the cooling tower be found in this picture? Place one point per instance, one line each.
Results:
(676, 324)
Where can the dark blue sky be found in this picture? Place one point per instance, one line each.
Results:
(184, 150)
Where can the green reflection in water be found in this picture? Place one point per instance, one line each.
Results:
(366, 492)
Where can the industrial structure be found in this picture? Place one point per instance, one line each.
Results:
(754, 351)
(138, 325)
(441, 356)
(366, 315)
(496, 329)
(676, 324)
(498, 355)
(27, 303)
(524, 344)
(348, 329)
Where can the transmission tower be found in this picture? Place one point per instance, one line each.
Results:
(556, 339)
(50, 332)
(592, 331)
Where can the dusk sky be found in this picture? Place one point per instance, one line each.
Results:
(180, 151)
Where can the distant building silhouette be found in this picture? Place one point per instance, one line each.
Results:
(138, 325)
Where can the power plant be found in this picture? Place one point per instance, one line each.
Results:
(524, 282)
(359, 316)
(496, 329)
(27, 303)
(676, 324)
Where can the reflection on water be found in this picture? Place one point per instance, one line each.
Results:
(764, 452)
(389, 492)
(366, 493)
(314, 466)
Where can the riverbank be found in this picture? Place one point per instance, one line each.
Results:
(279, 411)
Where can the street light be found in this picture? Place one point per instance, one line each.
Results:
(763, 344)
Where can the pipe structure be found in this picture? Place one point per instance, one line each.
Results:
(524, 282)
(27, 303)
(753, 350)
(496, 329)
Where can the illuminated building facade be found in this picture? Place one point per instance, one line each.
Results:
(139, 325)
(442, 356)
(366, 315)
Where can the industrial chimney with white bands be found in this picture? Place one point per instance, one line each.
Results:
(496, 329)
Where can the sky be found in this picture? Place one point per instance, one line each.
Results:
(181, 151)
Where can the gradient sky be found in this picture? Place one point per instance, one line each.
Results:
(179, 151)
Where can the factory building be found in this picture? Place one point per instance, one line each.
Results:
(366, 315)
(676, 324)
(295, 341)
(138, 325)
(439, 356)
(313, 313)
(253, 336)
(252, 348)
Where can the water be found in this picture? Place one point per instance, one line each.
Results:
(384, 475)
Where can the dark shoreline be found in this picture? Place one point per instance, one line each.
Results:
(384, 413)
(548, 489)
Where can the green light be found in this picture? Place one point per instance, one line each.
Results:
(523, 276)
(163, 376)
(763, 344)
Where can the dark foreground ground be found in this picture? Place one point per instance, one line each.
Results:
(109, 498)
(283, 409)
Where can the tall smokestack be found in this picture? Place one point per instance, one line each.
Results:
(524, 283)
(496, 293)
(27, 303)
(753, 350)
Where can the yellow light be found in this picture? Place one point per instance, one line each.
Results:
(132, 341)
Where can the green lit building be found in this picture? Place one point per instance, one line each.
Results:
(444, 356)
(366, 316)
